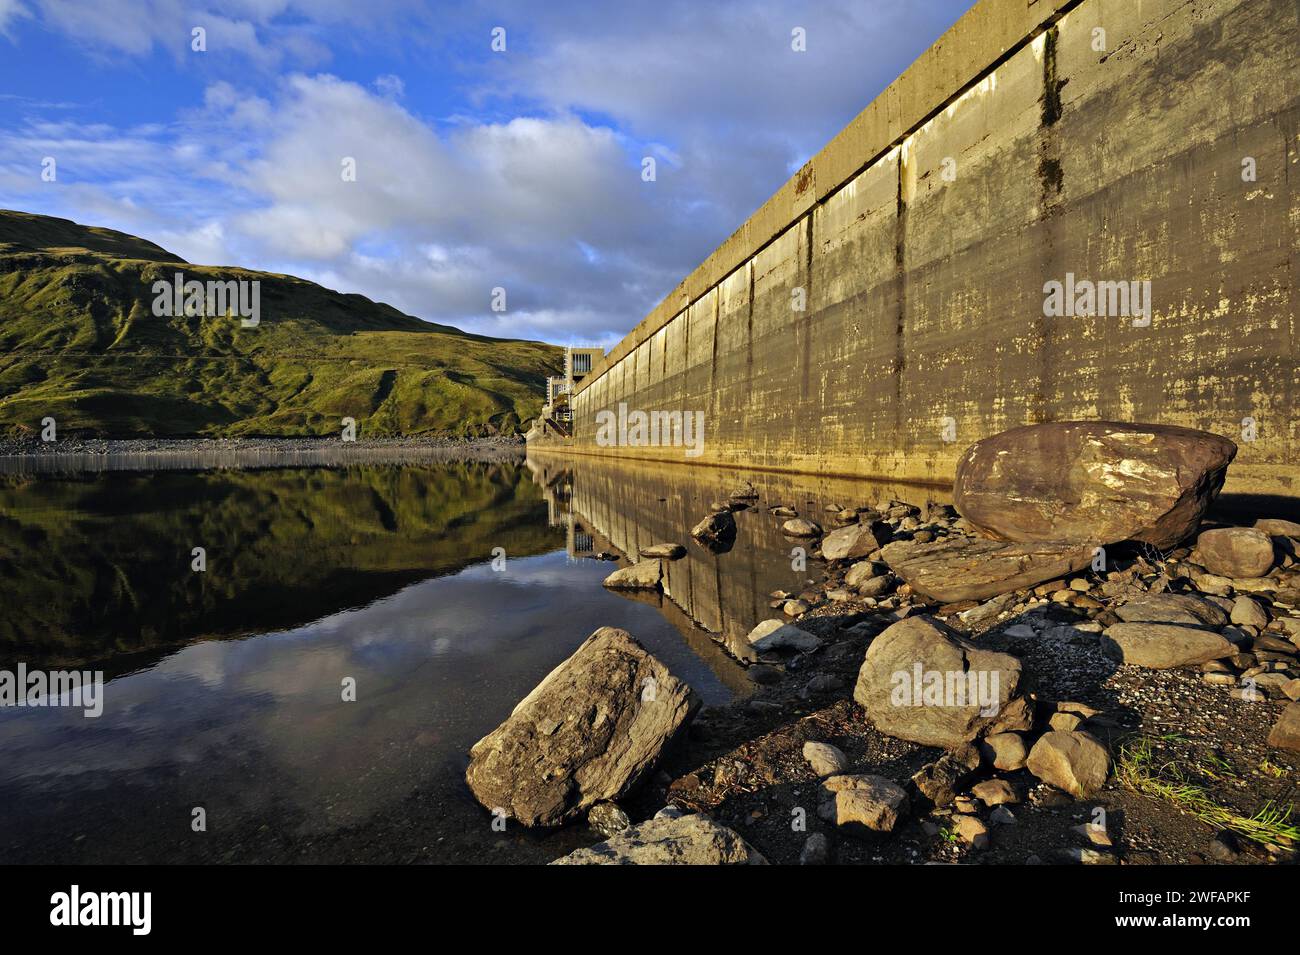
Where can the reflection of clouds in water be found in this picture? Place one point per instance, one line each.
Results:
(261, 719)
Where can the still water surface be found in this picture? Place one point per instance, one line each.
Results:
(225, 686)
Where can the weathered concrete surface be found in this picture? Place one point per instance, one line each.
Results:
(1012, 153)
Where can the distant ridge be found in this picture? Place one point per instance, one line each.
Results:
(80, 342)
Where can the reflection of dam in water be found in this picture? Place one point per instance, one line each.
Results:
(623, 506)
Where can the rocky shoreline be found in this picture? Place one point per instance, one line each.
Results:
(77, 453)
(1140, 705)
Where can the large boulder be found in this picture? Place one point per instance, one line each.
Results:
(1162, 646)
(587, 733)
(1095, 482)
(922, 682)
(1235, 551)
(669, 840)
(963, 568)
(856, 540)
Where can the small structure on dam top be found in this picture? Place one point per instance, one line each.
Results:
(556, 416)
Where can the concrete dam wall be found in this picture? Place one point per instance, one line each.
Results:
(894, 301)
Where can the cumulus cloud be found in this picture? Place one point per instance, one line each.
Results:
(533, 183)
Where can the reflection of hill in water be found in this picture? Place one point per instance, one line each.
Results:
(624, 505)
(96, 565)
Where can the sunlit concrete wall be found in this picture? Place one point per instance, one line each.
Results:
(1024, 145)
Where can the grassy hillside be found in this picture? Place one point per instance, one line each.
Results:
(79, 342)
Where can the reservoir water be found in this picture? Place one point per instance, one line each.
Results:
(440, 593)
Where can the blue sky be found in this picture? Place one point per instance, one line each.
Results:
(475, 168)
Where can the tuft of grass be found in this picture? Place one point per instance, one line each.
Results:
(1140, 769)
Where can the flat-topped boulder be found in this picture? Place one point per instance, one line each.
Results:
(1173, 608)
(664, 551)
(965, 568)
(588, 733)
(1162, 646)
(669, 840)
(1097, 482)
(643, 575)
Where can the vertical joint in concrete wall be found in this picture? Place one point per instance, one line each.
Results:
(805, 322)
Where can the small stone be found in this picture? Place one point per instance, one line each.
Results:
(801, 527)
(1094, 833)
(825, 759)
(972, 831)
(1002, 816)
(1213, 584)
(995, 792)
(1249, 612)
(939, 781)
(1224, 848)
(876, 586)
(1085, 856)
(1065, 721)
(816, 850)
(871, 801)
(717, 532)
(607, 818)
(774, 635)
(856, 540)
(793, 608)
(1006, 751)
(645, 575)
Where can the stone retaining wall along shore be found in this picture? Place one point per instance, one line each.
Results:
(1145, 145)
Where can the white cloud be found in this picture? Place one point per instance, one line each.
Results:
(10, 12)
(537, 190)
